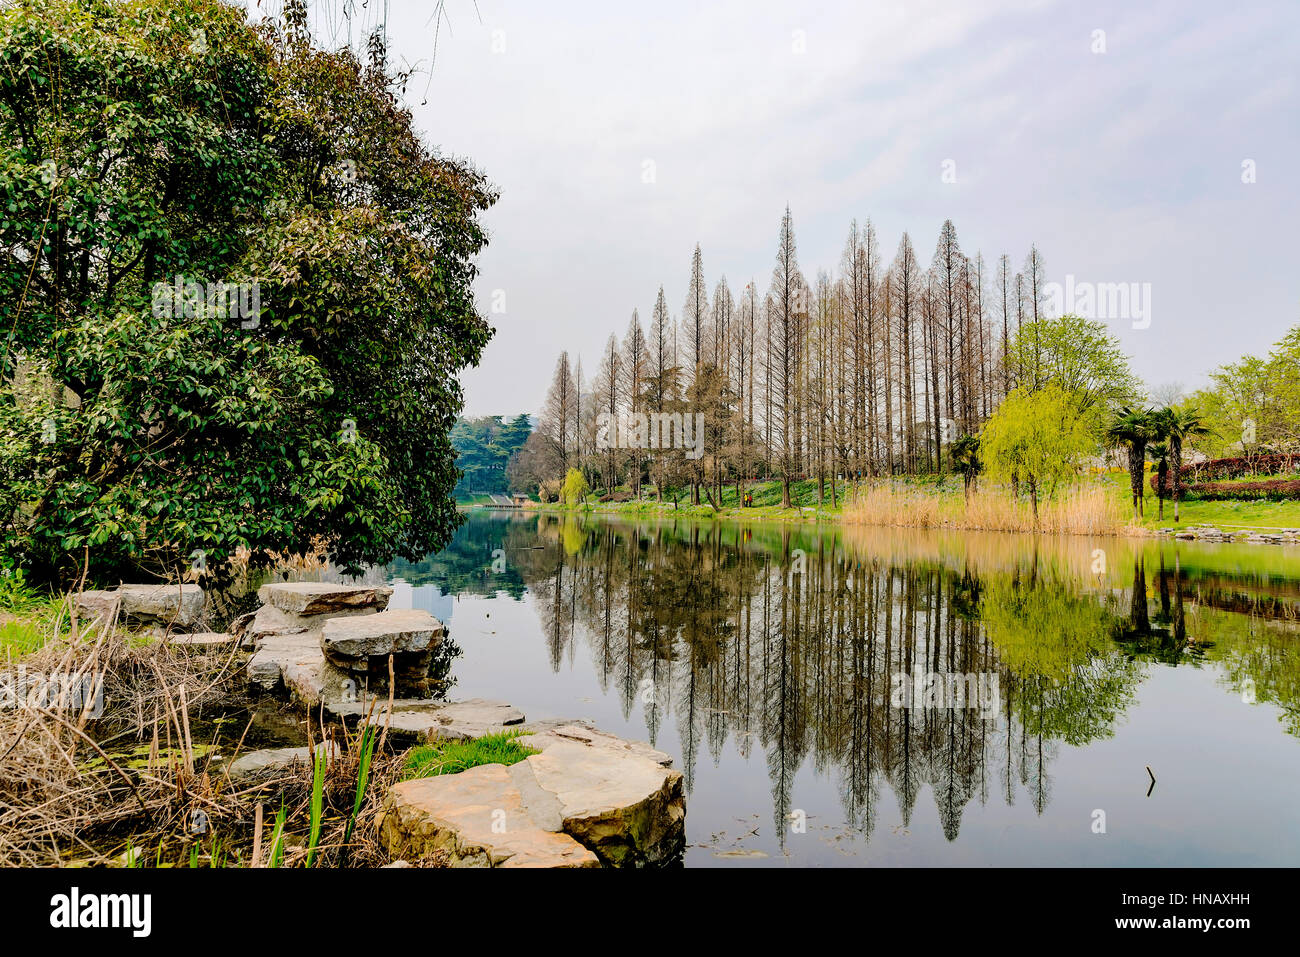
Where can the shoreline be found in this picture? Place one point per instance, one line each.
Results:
(1221, 533)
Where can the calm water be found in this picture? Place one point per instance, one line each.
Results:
(773, 663)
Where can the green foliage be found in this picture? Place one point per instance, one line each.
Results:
(484, 447)
(1078, 355)
(368, 738)
(16, 593)
(1253, 405)
(317, 807)
(276, 856)
(575, 488)
(452, 757)
(1036, 437)
(151, 140)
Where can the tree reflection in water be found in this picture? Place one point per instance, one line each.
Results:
(789, 640)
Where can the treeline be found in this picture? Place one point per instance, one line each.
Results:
(484, 447)
(878, 368)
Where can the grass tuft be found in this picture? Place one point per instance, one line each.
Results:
(452, 757)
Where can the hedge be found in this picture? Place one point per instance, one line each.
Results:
(1230, 468)
(1273, 490)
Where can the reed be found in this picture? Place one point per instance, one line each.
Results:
(1083, 509)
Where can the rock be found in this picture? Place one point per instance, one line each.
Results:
(629, 809)
(172, 605)
(478, 818)
(271, 759)
(590, 737)
(202, 641)
(408, 631)
(443, 721)
(285, 658)
(316, 598)
(613, 798)
(270, 620)
(397, 864)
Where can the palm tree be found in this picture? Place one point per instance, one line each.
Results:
(1178, 426)
(965, 455)
(1133, 428)
(1158, 452)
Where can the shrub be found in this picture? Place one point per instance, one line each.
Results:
(1229, 468)
(1274, 490)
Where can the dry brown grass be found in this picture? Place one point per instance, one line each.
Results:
(67, 794)
(1078, 510)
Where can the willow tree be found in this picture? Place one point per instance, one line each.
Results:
(1036, 439)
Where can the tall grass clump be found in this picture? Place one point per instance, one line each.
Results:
(1083, 509)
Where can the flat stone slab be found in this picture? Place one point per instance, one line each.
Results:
(479, 818)
(316, 598)
(397, 632)
(614, 798)
(629, 809)
(269, 620)
(271, 759)
(575, 733)
(292, 661)
(176, 605)
(447, 721)
(202, 641)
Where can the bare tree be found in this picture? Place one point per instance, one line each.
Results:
(558, 415)
(632, 369)
(788, 298)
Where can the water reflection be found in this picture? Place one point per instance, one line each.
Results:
(886, 660)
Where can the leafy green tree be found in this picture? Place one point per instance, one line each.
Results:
(1253, 404)
(484, 447)
(173, 143)
(575, 488)
(1080, 356)
(1035, 438)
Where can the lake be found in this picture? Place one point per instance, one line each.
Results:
(896, 697)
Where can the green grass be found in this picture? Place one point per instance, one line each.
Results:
(1222, 514)
(452, 757)
(803, 497)
(20, 637)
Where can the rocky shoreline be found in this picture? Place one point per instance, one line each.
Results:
(1245, 536)
(581, 798)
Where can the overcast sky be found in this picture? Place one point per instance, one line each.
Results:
(1123, 166)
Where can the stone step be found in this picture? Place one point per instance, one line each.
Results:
(445, 721)
(479, 819)
(173, 605)
(317, 598)
(616, 799)
(397, 632)
(270, 620)
(202, 641)
(271, 759)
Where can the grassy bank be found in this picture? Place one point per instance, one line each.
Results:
(1098, 504)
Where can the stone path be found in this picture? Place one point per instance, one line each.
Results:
(585, 799)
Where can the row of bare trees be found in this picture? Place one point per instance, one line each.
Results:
(874, 370)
